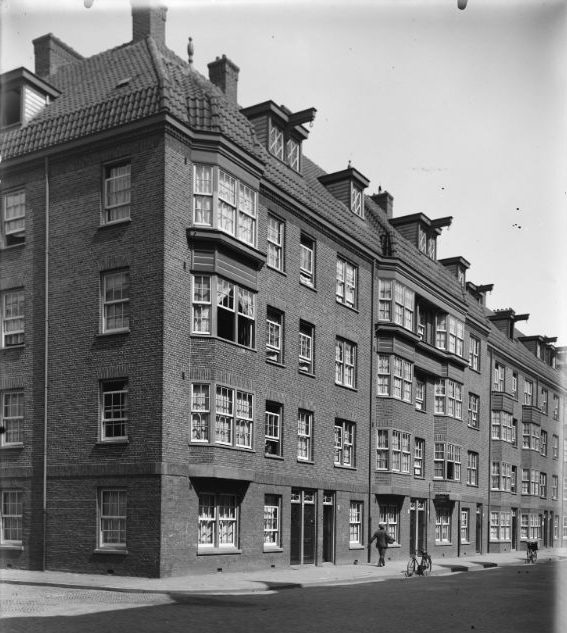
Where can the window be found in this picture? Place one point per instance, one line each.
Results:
(12, 517)
(515, 384)
(393, 451)
(276, 142)
(474, 353)
(356, 200)
(555, 447)
(501, 476)
(13, 318)
(274, 335)
(117, 187)
(345, 363)
(420, 394)
(554, 486)
(514, 480)
(395, 377)
(14, 218)
(355, 522)
(447, 462)
(555, 407)
(382, 450)
(531, 436)
(456, 336)
(220, 200)
(500, 526)
(465, 525)
(503, 427)
(442, 526)
(525, 481)
(544, 401)
(112, 519)
(305, 436)
(543, 485)
(448, 398)
(293, 154)
(116, 300)
(400, 452)
(272, 521)
(528, 392)
(498, 382)
(114, 409)
(396, 303)
(347, 277)
(218, 525)
(530, 527)
(233, 415)
(307, 261)
(419, 458)
(390, 515)
(543, 443)
(472, 469)
(273, 429)
(275, 243)
(534, 483)
(306, 335)
(474, 403)
(234, 309)
(345, 435)
(12, 418)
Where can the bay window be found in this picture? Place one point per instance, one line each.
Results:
(395, 377)
(396, 303)
(449, 398)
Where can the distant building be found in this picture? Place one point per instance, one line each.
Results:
(215, 355)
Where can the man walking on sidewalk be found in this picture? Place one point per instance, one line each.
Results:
(382, 541)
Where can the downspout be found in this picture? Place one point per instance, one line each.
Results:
(370, 409)
(489, 495)
(45, 366)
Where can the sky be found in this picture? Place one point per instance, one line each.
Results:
(455, 112)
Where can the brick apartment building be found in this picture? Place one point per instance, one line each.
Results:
(215, 355)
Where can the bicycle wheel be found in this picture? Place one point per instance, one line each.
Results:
(426, 565)
(534, 556)
(410, 569)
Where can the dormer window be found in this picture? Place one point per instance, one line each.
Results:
(432, 247)
(276, 141)
(22, 96)
(293, 152)
(356, 200)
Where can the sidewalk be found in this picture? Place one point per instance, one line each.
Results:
(268, 580)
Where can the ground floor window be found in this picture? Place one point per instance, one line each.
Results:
(272, 521)
(355, 523)
(217, 521)
(12, 514)
(465, 525)
(565, 527)
(500, 526)
(442, 526)
(390, 515)
(112, 519)
(530, 527)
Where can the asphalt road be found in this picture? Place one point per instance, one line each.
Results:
(523, 599)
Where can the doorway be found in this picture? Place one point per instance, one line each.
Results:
(478, 531)
(418, 536)
(328, 527)
(514, 529)
(303, 532)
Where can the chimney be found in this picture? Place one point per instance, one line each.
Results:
(224, 74)
(51, 54)
(148, 20)
(385, 201)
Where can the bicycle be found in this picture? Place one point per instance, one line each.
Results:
(531, 552)
(420, 567)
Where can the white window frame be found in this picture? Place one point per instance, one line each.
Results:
(12, 517)
(356, 205)
(13, 230)
(12, 417)
(275, 240)
(276, 141)
(114, 409)
(345, 363)
(396, 303)
(345, 444)
(200, 412)
(474, 353)
(528, 392)
(117, 192)
(273, 425)
(502, 427)
(472, 469)
(447, 461)
(112, 518)
(473, 412)
(419, 458)
(307, 260)
(306, 347)
(465, 525)
(304, 436)
(293, 154)
(449, 398)
(382, 449)
(390, 515)
(499, 378)
(13, 317)
(218, 522)
(347, 279)
(274, 335)
(420, 393)
(355, 523)
(115, 301)
(443, 526)
(272, 522)
(395, 374)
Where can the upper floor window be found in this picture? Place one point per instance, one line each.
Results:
(273, 429)
(276, 143)
(13, 218)
(347, 275)
(515, 384)
(224, 309)
(449, 398)
(222, 201)
(504, 427)
(117, 188)
(474, 405)
(304, 435)
(13, 318)
(116, 300)
(307, 261)
(11, 517)
(528, 392)
(393, 451)
(449, 334)
(544, 401)
(284, 147)
(419, 458)
(498, 377)
(293, 154)
(306, 336)
(231, 410)
(274, 335)
(427, 243)
(555, 407)
(420, 394)
(12, 417)
(114, 409)
(275, 243)
(395, 377)
(356, 200)
(396, 303)
(344, 443)
(447, 462)
(472, 468)
(345, 363)
(474, 353)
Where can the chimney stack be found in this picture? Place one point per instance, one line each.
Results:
(385, 201)
(148, 20)
(51, 53)
(224, 74)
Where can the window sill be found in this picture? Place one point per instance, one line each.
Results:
(309, 374)
(244, 449)
(356, 546)
(275, 549)
(354, 389)
(276, 457)
(17, 445)
(277, 270)
(218, 551)
(122, 440)
(473, 428)
(305, 461)
(345, 305)
(13, 548)
(275, 363)
(344, 467)
(9, 347)
(9, 247)
(308, 286)
(439, 544)
(113, 333)
(112, 551)
(115, 223)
